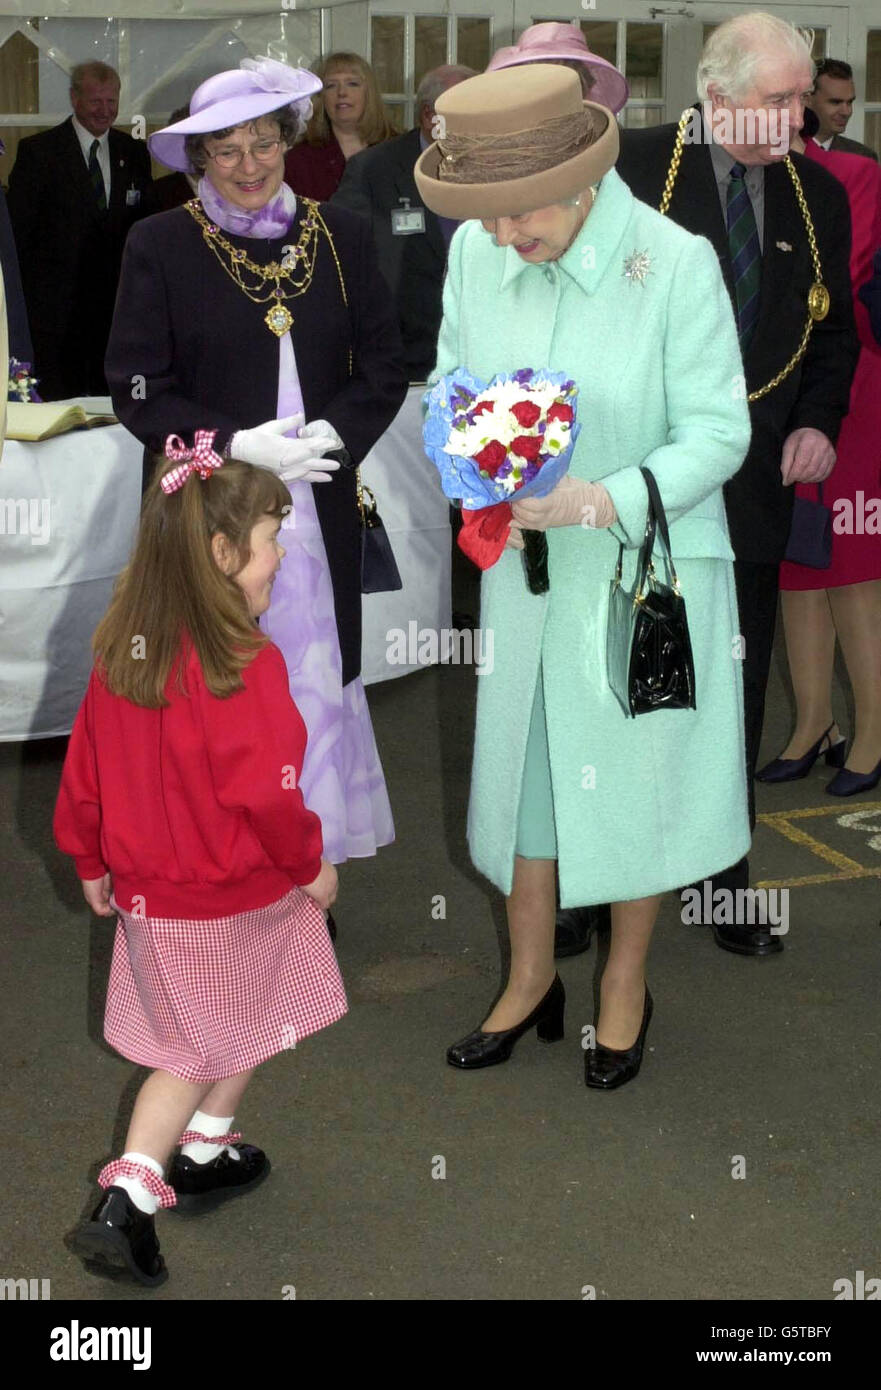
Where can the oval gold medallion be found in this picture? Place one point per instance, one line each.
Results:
(818, 301)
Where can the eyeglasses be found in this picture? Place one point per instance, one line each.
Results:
(264, 152)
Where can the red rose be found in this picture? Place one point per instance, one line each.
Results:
(560, 412)
(525, 413)
(527, 446)
(492, 456)
(481, 407)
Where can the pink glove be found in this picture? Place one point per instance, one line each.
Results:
(572, 502)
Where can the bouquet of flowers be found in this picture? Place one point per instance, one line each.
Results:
(22, 386)
(495, 442)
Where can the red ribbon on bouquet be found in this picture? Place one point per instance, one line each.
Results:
(484, 533)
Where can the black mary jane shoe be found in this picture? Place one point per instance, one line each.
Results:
(201, 1187)
(746, 940)
(792, 769)
(482, 1049)
(120, 1240)
(605, 1068)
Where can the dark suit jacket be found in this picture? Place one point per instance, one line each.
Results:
(817, 391)
(70, 252)
(189, 350)
(848, 146)
(374, 183)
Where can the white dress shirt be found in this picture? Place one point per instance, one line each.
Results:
(86, 139)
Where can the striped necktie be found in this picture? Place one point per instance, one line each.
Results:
(96, 178)
(745, 252)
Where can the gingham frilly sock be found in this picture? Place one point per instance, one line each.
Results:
(209, 1127)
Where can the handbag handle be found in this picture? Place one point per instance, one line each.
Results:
(655, 520)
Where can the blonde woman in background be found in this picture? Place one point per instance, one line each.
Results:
(350, 117)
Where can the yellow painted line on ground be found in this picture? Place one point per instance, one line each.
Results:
(832, 856)
(817, 878)
(771, 817)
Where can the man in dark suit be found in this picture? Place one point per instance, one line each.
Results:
(733, 188)
(411, 242)
(832, 103)
(74, 191)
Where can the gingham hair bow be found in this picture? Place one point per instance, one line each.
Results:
(201, 459)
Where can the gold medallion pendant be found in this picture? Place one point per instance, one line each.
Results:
(818, 301)
(278, 319)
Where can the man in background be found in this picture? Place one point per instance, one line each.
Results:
(74, 191)
(411, 242)
(832, 103)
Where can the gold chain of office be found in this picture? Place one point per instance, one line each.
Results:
(818, 295)
(299, 262)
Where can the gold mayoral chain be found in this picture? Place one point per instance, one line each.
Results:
(818, 295)
(253, 280)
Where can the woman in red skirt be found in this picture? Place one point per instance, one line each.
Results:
(180, 804)
(843, 601)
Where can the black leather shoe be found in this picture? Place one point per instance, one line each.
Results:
(201, 1187)
(481, 1049)
(847, 783)
(575, 926)
(747, 941)
(120, 1239)
(605, 1068)
(791, 769)
(331, 926)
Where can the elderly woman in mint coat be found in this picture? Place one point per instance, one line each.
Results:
(634, 309)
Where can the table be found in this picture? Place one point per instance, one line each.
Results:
(68, 511)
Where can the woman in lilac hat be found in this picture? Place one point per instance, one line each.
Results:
(263, 316)
(566, 45)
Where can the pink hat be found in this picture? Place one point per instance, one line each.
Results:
(544, 42)
(256, 87)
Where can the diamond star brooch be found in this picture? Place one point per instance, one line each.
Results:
(637, 266)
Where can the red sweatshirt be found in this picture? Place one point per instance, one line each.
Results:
(194, 808)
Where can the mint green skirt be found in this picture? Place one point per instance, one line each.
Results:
(536, 831)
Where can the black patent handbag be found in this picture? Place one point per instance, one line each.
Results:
(648, 648)
(379, 570)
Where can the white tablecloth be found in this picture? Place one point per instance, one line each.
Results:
(86, 487)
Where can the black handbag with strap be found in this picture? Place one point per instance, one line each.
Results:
(648, 648)
(379, 570)
(810, 534)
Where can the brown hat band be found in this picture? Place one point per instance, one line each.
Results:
(517, 154)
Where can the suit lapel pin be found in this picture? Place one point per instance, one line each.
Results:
(783, 246)
(637, 266)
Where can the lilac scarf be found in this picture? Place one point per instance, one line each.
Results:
(272, 220)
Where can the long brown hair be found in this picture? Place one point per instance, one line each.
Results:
(173, 594)
(374, 125)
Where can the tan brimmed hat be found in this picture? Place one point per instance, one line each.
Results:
(513, 141)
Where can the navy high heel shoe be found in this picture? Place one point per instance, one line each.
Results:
(791, 769)
(847, 783)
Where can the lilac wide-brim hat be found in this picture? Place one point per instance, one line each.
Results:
(542, 43)
(256, 87)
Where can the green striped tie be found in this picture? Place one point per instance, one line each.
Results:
(745, 252)
(96, 178)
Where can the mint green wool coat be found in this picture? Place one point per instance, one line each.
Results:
(648, 804)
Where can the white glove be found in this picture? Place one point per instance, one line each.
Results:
(572, 502)
(320, 429)
(292, 459)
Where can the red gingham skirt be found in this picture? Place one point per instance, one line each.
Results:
(207, 999)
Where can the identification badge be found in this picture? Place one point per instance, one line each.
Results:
(406, 220)
(132, 197)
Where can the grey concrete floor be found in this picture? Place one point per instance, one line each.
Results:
(548, 1187)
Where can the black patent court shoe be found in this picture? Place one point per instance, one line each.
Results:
(605, 1068)
(482, 1049)
(120, 1240)
(791, 769)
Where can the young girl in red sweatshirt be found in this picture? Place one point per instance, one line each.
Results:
(180, 805)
